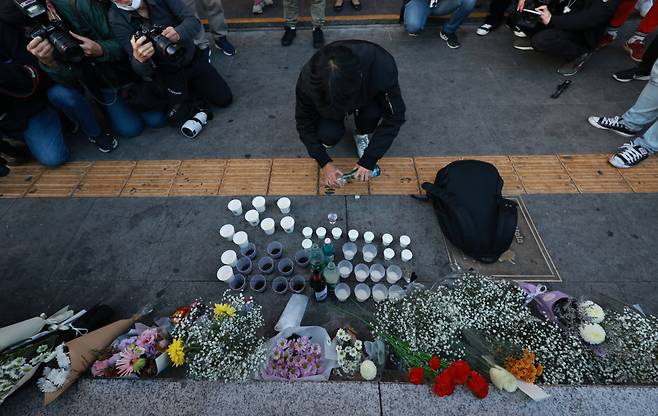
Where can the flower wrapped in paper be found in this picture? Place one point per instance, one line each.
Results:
(21, 331)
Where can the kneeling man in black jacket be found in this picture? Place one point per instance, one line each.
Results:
(344, 78)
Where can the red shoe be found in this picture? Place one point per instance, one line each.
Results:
(636, 49)
(606, 40)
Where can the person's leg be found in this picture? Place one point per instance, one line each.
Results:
(650, 57)
(645, 109)
(558, 42)
(458, 10)
(621, 14)
(75, 106)
(318, 12)
(215, 15)
(291, 12)
(330, 132)
(44, 138)
(497, 9)
(206, 83)
(200, 39)
(416, 13)
(153, 119)
(125, 122)
(649, 22)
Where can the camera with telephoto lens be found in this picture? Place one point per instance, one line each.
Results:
(192, 127)
(153, 33)
(54, 30)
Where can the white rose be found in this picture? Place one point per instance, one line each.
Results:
(591, 311)
(503, 379)
(368, 370)
(592, 333)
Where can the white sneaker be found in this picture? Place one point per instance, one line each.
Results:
(362, 141)
(484, 29)
(629, 155)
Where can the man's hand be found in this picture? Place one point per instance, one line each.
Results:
(521, 5)
(89, 47)
(142, 49)
(545, 14)
(171, 34)
(363, 174)
(331, 175)
(43, 50)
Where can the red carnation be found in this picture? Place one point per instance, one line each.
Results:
(459, 370)
(443, 384)
(434, 363)
(416, 375)
(478, 385)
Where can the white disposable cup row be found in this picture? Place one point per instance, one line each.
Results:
(258, 203)
(284, 205)
(252, 217)
(307, 232)
(406, 255)
(379, 293)
(268, 225)
(307, 243)
(349, 251)
(321, 232)
(362, 292)
(241, 239)
(387, 239)
(336, 232)
(229, 258)
(227, 232)
(389, 254)
(353, 235)
(225, 273)
(288, 224)
(405, 241)
(368, 237)
(235, 206)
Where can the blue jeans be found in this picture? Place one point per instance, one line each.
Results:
(124, 121)
(416, 13)
(645, 112)
(44, 138)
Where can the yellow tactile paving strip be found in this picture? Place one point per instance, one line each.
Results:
(523, 174)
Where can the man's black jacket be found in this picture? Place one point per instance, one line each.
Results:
(589, 17)
(380, 84)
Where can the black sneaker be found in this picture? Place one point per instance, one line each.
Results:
(288, 36)
(615, 124)
(572, 67)
(318, 38)
(523, 44)
(629, 75)
(225, 46)
(451, 39)
(105, 142)
(629, 155)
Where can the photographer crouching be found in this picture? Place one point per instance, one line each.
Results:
(159, 36)
(570, 29)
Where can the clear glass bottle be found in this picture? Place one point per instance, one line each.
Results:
(331, 275)
(328, 251)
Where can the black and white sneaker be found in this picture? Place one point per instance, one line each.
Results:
(451, 39)
(628, 75)
(484, 29)
(318, 37)
(105, 142)
(629, 155)
(615, 124)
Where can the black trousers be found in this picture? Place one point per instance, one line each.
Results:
(567, 44)
(366, 119)
(650, 56)
(198, 81)
(497, 9)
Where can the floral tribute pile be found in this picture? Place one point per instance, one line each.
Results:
(349, 351)
(295, 358)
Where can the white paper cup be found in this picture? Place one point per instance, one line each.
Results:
(379, 293)
(307, 243)
(353, 235)
(389, 254)
(345, 268)
(235, 206)
(406, 255)
(252, 217)
(258, 203)
(284, 205)
(321, 232)
(241, 239)
(225, 273)
(227, 232)
(229, 258)
(361, 272)
(336, 232)
(395, 292)
(342, 292)
(362, 292)
(268, 225)
(368, 237)
(307, 232)
(369, 252)
(377, 272)
(404, 241)
(393, 274)
(288, 224)
(387, 239)
(349, 251)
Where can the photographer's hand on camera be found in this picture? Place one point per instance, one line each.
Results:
(89, 47)
(142, 49)
(545, 14)
(171, 34)
(43, 50)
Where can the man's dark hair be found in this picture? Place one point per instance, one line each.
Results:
(336, 76)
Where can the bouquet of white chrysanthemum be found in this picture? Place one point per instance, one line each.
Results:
(219, 341)
(350, 352)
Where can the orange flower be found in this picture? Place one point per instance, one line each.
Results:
(524, 368)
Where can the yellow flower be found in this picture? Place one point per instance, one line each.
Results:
(176, 352)
(222, 309)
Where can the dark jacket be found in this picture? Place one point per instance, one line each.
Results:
(161, 12)
(589, 17)
(23, 86)
(380, 80)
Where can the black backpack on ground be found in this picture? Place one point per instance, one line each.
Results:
(472, 213)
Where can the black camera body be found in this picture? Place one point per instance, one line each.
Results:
(162, 45)
(54, 30)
